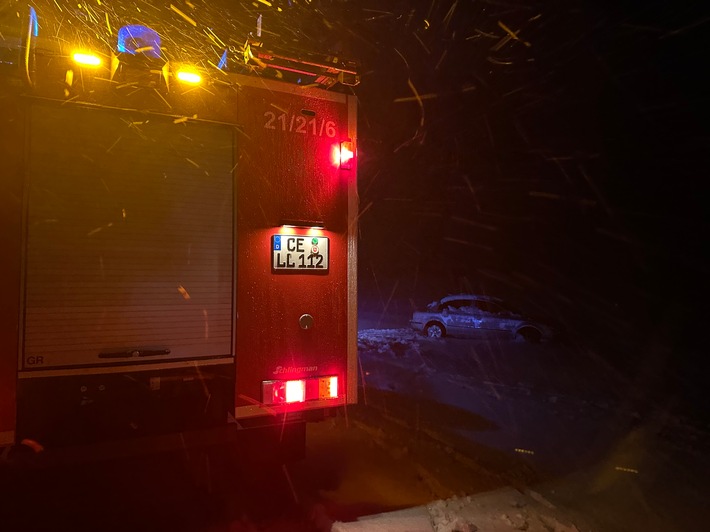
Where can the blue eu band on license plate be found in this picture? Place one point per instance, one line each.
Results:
(305, 254)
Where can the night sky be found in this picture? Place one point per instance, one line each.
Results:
(564, 162)
(550, 152)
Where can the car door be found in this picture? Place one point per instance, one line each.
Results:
(466, 319)
(494, 318)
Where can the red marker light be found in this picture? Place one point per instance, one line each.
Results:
(346, 155)
(342, 155)
(335, 155)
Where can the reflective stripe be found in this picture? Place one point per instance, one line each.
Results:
(123, 369)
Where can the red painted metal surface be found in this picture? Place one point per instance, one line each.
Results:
(285, 173)
(11, 149)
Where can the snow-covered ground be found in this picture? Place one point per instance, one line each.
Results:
(576, 451)
(524, 395)
(503, 510)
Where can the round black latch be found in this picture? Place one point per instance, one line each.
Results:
(306, 321)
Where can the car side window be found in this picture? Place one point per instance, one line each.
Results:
(452, 306)
(489, 307)
(467, 308)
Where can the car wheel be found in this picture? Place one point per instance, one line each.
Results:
(530, 334)
(435, 330)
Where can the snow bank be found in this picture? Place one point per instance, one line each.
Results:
(504, 510)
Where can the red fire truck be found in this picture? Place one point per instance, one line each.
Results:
(178, 241)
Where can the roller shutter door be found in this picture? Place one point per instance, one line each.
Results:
(129, 239)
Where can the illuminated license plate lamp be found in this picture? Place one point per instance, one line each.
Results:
(305, 224)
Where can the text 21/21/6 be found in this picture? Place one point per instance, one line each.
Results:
(300, 124)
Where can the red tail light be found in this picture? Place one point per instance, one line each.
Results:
(300, 390)
(347, 153)
(295, 391)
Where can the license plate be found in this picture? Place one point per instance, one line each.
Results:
(306, 254)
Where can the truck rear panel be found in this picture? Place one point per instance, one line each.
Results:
(146, 289)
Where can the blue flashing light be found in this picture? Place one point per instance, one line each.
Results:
(137, 39)
(223, 61)
(34, 22)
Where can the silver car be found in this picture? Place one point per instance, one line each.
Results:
(468, 315)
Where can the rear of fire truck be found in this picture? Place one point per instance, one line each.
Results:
(178, 232)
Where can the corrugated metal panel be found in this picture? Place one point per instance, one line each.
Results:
(129, 237)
